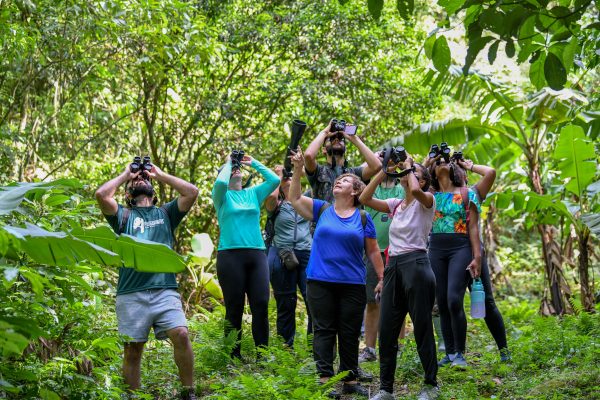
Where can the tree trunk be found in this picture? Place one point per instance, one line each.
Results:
(587, 296)
(557, 284)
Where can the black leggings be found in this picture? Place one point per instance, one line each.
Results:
(244, 272)
(449, 255)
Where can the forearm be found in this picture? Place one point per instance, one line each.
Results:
(184, 188)
(474, 238)
(295, 187)
(270, 176)
(488, 177)
(369, 191)
(311, 152)
(108, 189)
(377, 262)
(371, 158)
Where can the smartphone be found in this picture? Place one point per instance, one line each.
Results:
(350, 129)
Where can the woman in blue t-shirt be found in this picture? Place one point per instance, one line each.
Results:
(241, 260)
(454, 253)
(336, 272)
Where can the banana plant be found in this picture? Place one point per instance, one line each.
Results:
(199, 260)
(508, 126)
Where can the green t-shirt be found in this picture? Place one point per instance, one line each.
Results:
(381, 220)
(155, 224)
(238, 211)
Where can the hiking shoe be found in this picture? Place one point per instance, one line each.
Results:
(332, 394)
(505, 355)
(368, 354)
(459, 361)
(383, 395)
(429, 393)
(363, 376)
(356, 388)
(448, 358)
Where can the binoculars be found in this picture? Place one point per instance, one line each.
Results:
(236, 158)
(141, 165)
(444, 151)
(298, 128)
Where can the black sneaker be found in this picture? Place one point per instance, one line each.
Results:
(363, 376)
(356, 388)
(188, 394)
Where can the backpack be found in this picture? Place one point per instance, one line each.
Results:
(269, 231)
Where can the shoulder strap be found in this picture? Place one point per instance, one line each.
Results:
(124, 218)
(363, 218)
(323, 208)
(464, 193)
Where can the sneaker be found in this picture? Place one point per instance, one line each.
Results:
(429, 393)
(368, 354)
(459, 361)
(505, 355)
(363, 376)
(332, 394)
(383, 395)
(448, 358)
(356, 388)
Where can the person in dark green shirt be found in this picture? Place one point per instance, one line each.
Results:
(149, 300)
(241, 260)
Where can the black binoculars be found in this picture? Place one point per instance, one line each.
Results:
(444, 151)
(298, 128)
(236, 158)
(145, 166)
(337, 125)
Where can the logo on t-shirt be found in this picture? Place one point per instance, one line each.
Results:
(139, 223)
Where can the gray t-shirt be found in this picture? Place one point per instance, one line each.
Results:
(285, 225)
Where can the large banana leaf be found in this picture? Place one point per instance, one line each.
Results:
(12, 196)
(142, 255)
(547, 206)
(576, 158)
(593, 222)
(59, 248)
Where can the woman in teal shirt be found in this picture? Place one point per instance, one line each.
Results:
(241, 261)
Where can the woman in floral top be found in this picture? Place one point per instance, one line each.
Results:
(454, 253)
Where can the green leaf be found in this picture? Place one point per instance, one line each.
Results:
(475, 46)
(536, 72)
(441, 54)
(555, 72)
(406, 8)
(451, 6)
(59, 248)
(142, 255)
(493, 50)
(510, 48)
(209, 282)
(429, 42)
(375, 7)
(576, 158)
(56, 200)
(568, 54)
(47, 394)
(202, 249)
(593, 222)
(12, 196)
(527, 29)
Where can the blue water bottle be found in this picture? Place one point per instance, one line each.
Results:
(477, 299)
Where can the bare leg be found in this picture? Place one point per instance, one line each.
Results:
(132, 360)
(184, 357)
(371, 324)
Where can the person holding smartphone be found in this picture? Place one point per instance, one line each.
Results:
(332, 140)
(408, 285)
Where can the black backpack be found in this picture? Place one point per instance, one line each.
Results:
(269, 231)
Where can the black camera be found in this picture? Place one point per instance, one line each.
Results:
(298, 128)
(396, 155)
(145, 166)
(236, 159)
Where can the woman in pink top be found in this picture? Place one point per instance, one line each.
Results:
(409, 283)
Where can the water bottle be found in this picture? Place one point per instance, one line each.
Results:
(477, 299)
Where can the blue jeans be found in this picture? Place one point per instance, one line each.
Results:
(285, 284)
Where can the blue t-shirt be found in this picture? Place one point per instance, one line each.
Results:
(338, 246)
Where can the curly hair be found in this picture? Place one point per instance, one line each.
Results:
(357, 185)
(457, 176)
(425, 175)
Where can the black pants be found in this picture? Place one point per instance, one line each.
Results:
(408, 287)
(337, 311)
(449, 255)
(244, 272)
(285, 285)
(493, 318)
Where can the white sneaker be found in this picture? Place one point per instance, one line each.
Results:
(429, 393)
(383, 395)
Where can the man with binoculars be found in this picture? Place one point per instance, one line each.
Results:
(333, 141)
(149, 300)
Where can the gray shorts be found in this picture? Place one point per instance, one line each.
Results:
(372, 280)
(160, 309)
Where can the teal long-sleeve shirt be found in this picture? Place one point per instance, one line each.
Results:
(238, 211)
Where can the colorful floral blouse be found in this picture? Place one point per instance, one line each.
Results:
(450, 216)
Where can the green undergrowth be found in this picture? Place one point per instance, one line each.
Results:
(552, 358)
